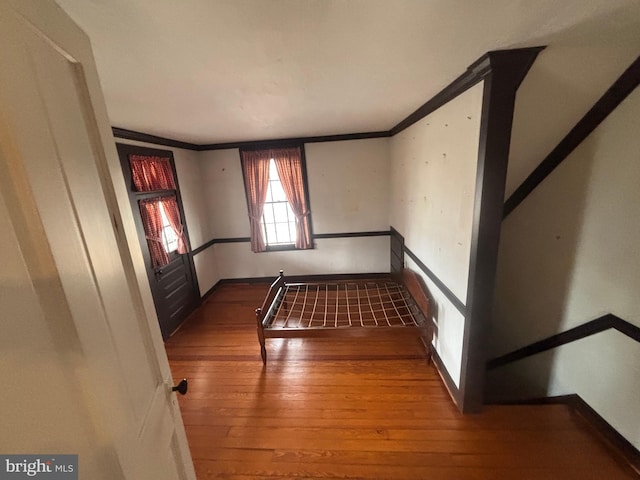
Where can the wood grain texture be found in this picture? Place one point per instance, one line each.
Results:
(366, 408)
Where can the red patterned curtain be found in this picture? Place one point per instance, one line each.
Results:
(151, 173)
(289, 165)
(173, 215)
(152, 221)
(255, 166)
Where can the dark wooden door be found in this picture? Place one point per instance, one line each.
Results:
(173, 286)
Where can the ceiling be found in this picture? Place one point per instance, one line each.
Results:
(215, 71)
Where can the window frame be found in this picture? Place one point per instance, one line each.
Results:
(305, 181)
(271, 203)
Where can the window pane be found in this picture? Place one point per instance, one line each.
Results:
(282, 230)
(269, 194)
(278, 192)
(273, 171)
(292, 216)
(268, 213)
(271, 233)
(264, 232)
(292, 230)
(169, 237)
(280, 212)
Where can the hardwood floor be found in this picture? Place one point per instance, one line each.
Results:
(354, 409)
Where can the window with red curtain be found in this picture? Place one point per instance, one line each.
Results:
(160, 215)
(277, 199)
(151, 174)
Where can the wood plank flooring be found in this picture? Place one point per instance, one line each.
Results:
(366, 408)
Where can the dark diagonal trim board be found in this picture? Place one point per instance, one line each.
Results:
(590, 328)
(434, 278)
(622, 87)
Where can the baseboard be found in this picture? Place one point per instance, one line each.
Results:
(609, 434)
(449, 384)
(209, 292)
(630, 453)
(294, 278)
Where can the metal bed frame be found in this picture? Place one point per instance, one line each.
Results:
(347, 308)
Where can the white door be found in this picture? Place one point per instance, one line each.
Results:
(82, 363)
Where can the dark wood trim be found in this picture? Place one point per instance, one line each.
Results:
(396, 232)
(502, 72)
(203, 247)
(610, 435)
(474, 74)
(246, 145)
(615, 440)
(210, 292)
(577, 333)
(147, 138)
(213, 241)
(376, 233)
(304, 278)
(233, 240)
(439, 283)
(307, 197)
(278, 143)
(620, 89)
(449, 384)
(396, 252)
(555, 400)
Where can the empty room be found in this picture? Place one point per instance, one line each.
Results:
(355, 239)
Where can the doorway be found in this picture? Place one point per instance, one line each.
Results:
(154, 194)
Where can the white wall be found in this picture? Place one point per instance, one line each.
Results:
(349, 185)
(433, 173)
(331, 256)
(224, 193)
(207, 270)
(348, 192)
(565, 81)
(569, 254)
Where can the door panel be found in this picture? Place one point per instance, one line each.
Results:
(58, 78)
(67, 225)
(174, 286)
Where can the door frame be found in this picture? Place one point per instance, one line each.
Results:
(124, 150)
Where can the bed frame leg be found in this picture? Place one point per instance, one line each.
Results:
(263, 349)
(263, 354)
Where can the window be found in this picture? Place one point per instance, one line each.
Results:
(277, 202)
(278, 220)
(155, 187)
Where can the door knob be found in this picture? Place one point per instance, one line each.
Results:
(182, 387)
